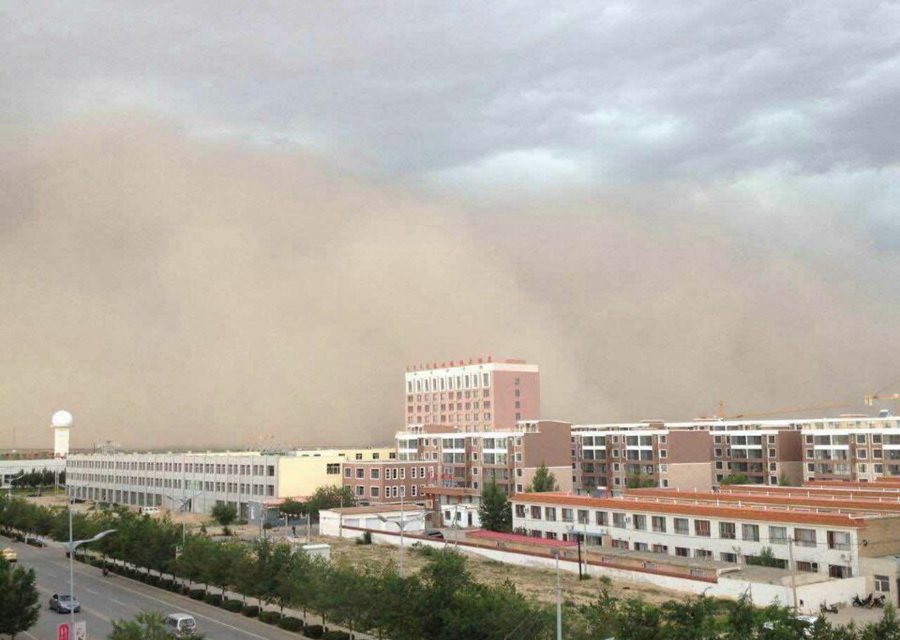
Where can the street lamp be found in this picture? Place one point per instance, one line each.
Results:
(558, 599)
(401, 524)
(184, 500)
(11, 480)
(70, 547)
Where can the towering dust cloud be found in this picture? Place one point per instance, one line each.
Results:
(171, 292)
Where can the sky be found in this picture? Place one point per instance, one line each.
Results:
(229, 223)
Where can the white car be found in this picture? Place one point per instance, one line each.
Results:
(181, 624)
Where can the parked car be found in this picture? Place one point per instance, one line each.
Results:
(181, 625)
(9, 554)
(149, 511)
(433, 533)
(64, 603)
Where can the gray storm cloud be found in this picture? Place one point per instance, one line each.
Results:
(174, 292)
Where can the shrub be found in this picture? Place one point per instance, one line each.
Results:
(213, 599)
(366, 538)
(165, 583)
(290, 624)
(234, 606)
(250, 610)
(197, 594)
(335, 635)
(270, 617)
(313, 631)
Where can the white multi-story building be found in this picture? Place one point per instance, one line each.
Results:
(817, 539)
(244, 479)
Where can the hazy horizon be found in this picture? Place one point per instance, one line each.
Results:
(223, 226)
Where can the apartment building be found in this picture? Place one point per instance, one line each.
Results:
(465, 461)
(481, 394)
(691, 455)
(650, 453)
(851, 448)
(389, 481)
(831, 540)
(246, 479)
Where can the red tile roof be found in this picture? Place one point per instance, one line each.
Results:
(728, 512)
(836, 503)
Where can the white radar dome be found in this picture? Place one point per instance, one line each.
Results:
(62, 419)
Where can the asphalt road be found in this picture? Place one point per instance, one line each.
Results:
(104, 599)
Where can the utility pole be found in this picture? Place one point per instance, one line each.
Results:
(558, 601)
(793, 572)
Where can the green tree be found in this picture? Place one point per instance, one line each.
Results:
(735, 478)
(639, 480)
(543, 480)
(328, 497)
(224, 513)
(19, 607)
(495, 511)
(146, 625)
(694, 619)
(292, 508)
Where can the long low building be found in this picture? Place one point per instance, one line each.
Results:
(843, 539)
(10, 469)
(245, 479)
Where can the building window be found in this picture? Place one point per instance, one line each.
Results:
(550, 514)
(333, 468)
(601, 518)
(727, 530)
(359, 456)
(681, 526)
(728, 557)
(374, 491)
(750, 532)
(348, 472)
(805, 537)
(839, 540)
(619, 520)
(777, 535)
(704, 554)
(360, 490)
(520, 510)
(640, 522)
(683, 552)
(535, 513)
(882, 584)
(659, 524)
(360, 472)
(701, 528)
(374, 473)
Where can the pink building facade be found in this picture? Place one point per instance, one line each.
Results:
(389, 480)
(477, 395)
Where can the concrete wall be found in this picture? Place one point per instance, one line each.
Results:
(809, 596)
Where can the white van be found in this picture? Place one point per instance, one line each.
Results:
(181, 624)
(149, 511)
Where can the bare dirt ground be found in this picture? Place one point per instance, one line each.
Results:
(537, 584)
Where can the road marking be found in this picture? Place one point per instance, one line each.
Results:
(198, 615)
(91, 591)
(124, 604)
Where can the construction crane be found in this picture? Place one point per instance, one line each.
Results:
(761, 414)
(879, 395)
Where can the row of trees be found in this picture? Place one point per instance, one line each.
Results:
(38, 479)
(441, 602)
